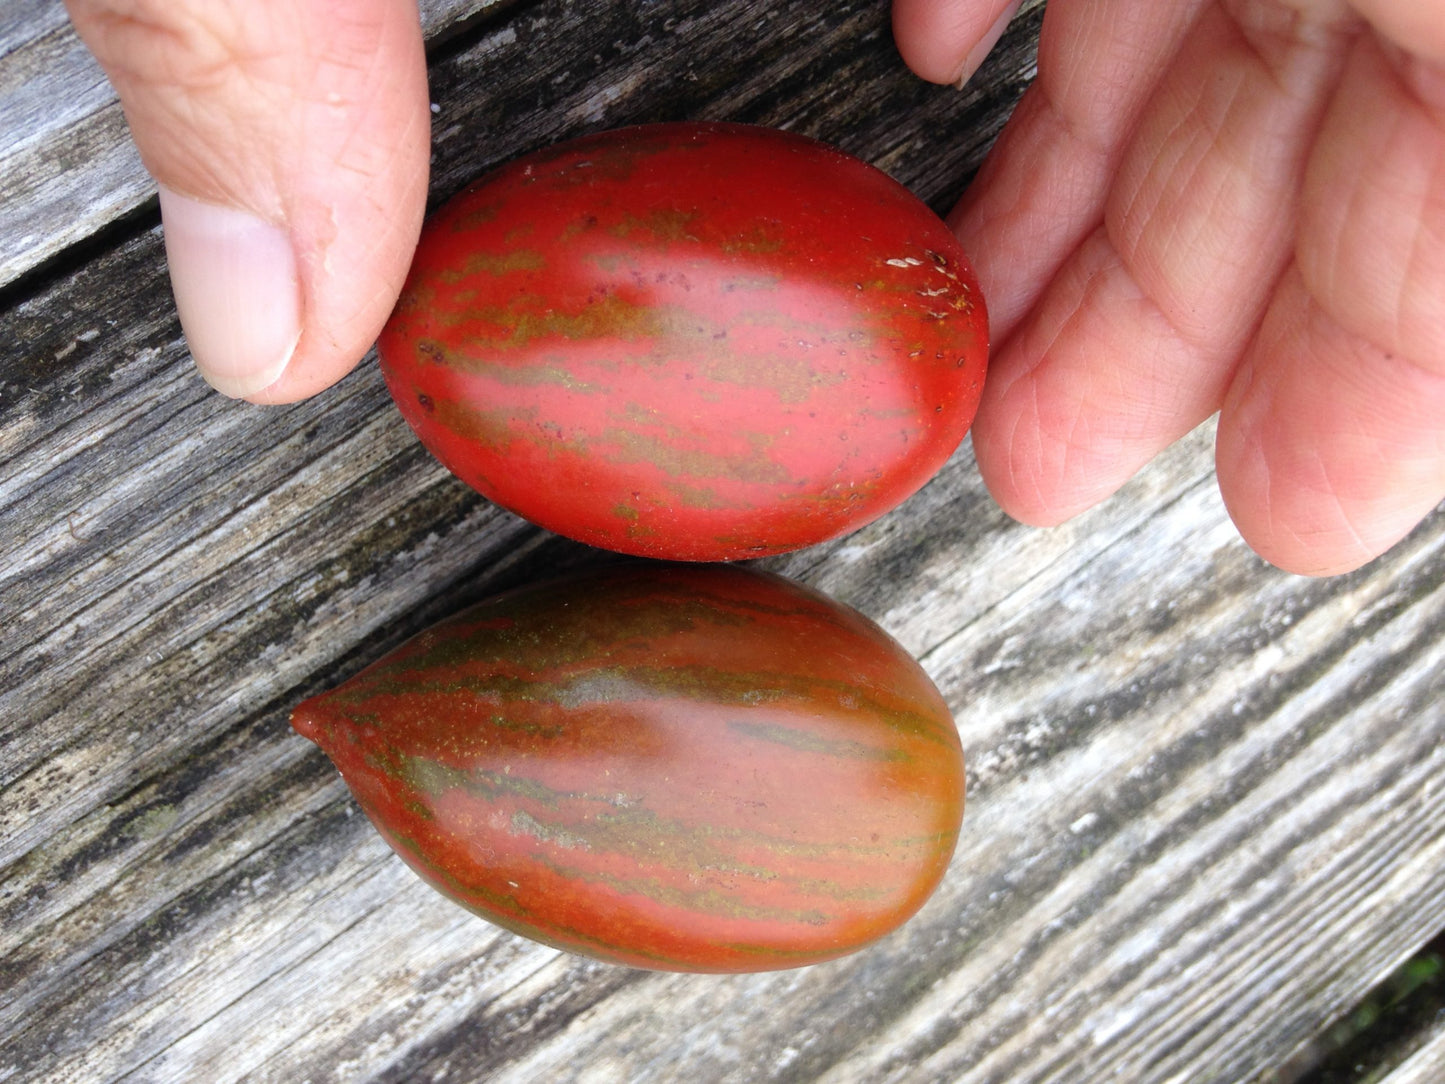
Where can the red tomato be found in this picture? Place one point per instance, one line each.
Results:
(690, 341)
(668, 766)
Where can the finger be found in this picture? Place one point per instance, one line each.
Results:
(1041, 191)
(1409, 24)
(1372, 232)
(290, 140)
(945, 41)
(1134, 343)
(1332, 440)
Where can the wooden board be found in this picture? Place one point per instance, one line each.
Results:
(1425, 1066)
(1205, 799)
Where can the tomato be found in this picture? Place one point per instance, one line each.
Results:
(690, 341)
(696, 768)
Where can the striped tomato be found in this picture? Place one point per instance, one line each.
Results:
(689, 341)
(673, 767)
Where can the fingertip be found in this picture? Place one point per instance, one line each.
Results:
(302, 379)
(1025, 492)
(1329, 450)
(1028, 470)
(236, 289)
(357, 205)
(1283, 494)
(1297, 531)
(945, 41)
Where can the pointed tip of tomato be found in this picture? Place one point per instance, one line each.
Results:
(306, 720)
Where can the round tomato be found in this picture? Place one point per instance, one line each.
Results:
(690, 341)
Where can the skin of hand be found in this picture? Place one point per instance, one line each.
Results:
(291, 142)
(1200, 206)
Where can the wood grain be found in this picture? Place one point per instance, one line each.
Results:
(1425, 1066)
(1205, 797)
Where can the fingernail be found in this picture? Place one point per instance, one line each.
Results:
(979, 52)
(237, 292)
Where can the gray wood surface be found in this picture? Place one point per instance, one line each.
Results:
(1206, 798)
(1426, 1065)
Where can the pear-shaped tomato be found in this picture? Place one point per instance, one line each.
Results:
(675, 767)
(689, 341)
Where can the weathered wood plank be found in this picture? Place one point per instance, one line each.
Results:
(1425, 1066)
(1205, 797)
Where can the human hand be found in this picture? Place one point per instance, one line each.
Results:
(1215, 205)
(291, 140)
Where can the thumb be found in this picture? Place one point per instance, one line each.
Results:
(290, 141)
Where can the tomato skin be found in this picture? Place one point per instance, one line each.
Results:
(689, 768)
(690, 341)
